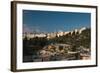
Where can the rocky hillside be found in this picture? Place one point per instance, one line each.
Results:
(70, 46)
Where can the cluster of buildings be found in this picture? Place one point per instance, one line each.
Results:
(53, 34)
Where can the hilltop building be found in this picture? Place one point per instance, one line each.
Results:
(53, 34)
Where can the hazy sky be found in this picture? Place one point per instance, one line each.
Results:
(51, 21)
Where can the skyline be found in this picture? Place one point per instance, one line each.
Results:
(52, 21)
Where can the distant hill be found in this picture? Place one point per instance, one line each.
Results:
(82, 39)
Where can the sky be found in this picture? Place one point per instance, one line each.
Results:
(52, 21)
